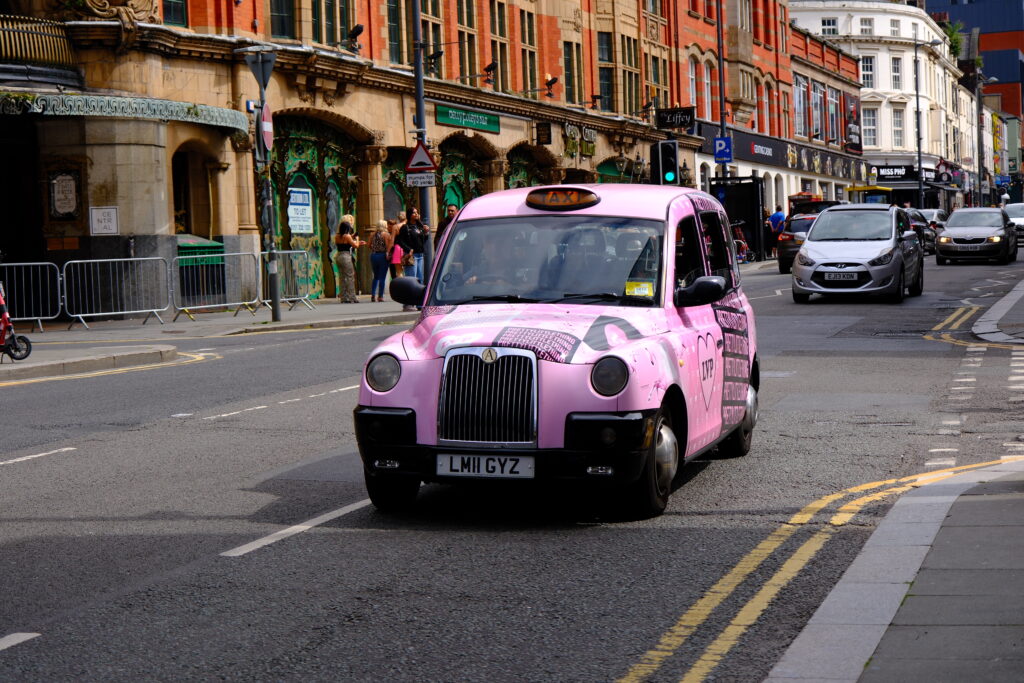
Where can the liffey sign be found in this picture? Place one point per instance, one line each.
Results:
(677, 117)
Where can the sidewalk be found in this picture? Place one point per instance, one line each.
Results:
(109, 344)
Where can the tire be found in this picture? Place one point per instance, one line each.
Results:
(20, 347)
(785, 267)
(897, 296)
(1005, 258)
(800, 298)
(737, 444)
(648, 496)
(1013, 256)
(940, 261)
(391, 493)
(917, 287)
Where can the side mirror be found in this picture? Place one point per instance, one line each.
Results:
(909, 235)
(407, 291)
(704, 290)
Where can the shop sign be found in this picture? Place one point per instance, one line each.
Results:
(588, 145)
(896, 173)
(300, 210)
(851, 110)
(571, 135)
(676, 117)
(543, 132)
(64, 194)
(103, 220)
(463, 118)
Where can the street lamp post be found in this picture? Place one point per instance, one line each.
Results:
(421, 129)
(917, 121)
(980, 80)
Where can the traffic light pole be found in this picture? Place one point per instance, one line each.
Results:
(421, 131)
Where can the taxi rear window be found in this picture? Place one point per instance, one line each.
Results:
(579, 259)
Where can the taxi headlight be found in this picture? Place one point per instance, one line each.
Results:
(804, 260)
(945, 240)
(882, 259)
(382, 372)
(609, 376)
(995, 238)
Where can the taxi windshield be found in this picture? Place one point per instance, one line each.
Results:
(549, 259)
(851, 226)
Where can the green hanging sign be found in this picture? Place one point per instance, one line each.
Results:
(463, 118)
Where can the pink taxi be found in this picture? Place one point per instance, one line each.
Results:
(592, 333)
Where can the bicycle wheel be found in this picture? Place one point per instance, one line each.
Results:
(19, 347)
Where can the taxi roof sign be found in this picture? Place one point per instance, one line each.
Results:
(561, 199)
(420, 161)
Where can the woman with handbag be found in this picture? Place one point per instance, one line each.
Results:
(346, 243)
(380, 242)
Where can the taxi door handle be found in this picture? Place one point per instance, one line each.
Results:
(720, 343)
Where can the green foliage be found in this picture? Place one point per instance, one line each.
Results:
(956, 39)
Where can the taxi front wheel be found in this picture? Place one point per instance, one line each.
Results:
(648, 496)
(391, 492)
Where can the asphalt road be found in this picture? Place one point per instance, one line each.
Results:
(113, 538)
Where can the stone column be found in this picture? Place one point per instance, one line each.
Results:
(494, 174)
(239, 188)
(370, 200)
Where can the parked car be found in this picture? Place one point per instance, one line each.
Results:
(974, 234)
(925, 232)
(540, 356)
(1016, 214)
(792, 238)
(859, 249)
(936, 216)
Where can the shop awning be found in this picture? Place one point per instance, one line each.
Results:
(945, 187)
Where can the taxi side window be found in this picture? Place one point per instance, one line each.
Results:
(689, 259)
(720, 258)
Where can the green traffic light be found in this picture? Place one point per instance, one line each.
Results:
(670, 176)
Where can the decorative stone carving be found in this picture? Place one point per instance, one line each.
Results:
(127, 12)
(494, 167)
(375, 154)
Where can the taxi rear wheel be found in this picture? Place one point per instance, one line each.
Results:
(648, 496)
(737, 444)
(391, 492)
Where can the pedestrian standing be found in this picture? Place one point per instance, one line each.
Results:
(395, 251)
(412, 236)
(346, 242)
(778, 221)
(380, 243)
(443, 225)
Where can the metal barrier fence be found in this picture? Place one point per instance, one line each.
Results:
(116, 287)
(212, 281)
(33, 291)
(294, 274)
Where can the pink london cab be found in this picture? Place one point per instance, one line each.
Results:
(594, 334)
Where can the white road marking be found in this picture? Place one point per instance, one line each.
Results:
(356, 386)
(291, 400)
(951, 422)
(317, 395)
(37, 455)
(943, 450)
(237, 412)
(183, 415)
(946, 432)
(1017, 444)
(944, 462)
(1015, 387)
(1014, 399)
(297, 529)
(15, 638)
(206, 350)
(961, 388)
(965, 379)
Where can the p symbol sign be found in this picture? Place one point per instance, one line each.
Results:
(723, 150)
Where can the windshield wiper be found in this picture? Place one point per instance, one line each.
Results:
(507, 298)
(604, 296)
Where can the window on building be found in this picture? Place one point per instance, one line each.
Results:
(332, 20)
(765, 114)
(605, 47)
(785, 114)
(897, 128)
(913, 29)
(867, 71)
(395, 33)
(783, 30)
(894, 28)
(867, 26)
(606, 86)
(175, 12)
(708, 75)
(833, 115)
(630, 64)
(499, 45)
(653, 6)
(430, 26)
(282, 19)
(693, 81)
(466, 20)
(897, 73)
(466, 13)
(746, 16)
(799, 105)
(818, 110)
(528, 50)
(572, 54)
(869, 119)
(956, 144)
(657, 80)
(829, 26)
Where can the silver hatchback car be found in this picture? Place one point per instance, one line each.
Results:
(860, 249)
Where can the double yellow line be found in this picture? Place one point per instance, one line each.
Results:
(957, 318)
(674, 638)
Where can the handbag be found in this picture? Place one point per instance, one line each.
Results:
(407, 259)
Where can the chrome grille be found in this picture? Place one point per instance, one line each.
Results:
(488, 403)
(968, 240)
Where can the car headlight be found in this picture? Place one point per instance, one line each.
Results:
(382, 372)
(882, 259)
(609, 376)
(995, 238)
(804, 260)
(945, 240)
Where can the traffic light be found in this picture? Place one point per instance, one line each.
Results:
(665, 162)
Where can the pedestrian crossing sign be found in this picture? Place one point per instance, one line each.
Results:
(420, 161)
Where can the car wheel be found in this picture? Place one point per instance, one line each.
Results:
(391, 492)
(801, 298)
(939, 261)
(785, 267)
(737, 444)
(648, 496)
(918, 285)
(897, 295)
(1013, 256)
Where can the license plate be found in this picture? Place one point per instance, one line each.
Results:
(970, 247)
(490, 466)
(840, 276)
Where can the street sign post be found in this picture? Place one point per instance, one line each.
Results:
(266, 130)
(420, 179)
(420, 161)
(723, 150)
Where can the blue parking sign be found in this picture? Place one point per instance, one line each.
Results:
(723, 150)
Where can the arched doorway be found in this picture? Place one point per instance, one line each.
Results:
(461, 172)
(315, 163)
(193, 190)
(528, 166)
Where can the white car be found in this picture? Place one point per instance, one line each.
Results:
(860, 249)
(1016, 214)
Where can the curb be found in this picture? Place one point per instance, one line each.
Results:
(109, 361)
(987, 326)
(380, 319)
(837, 641)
